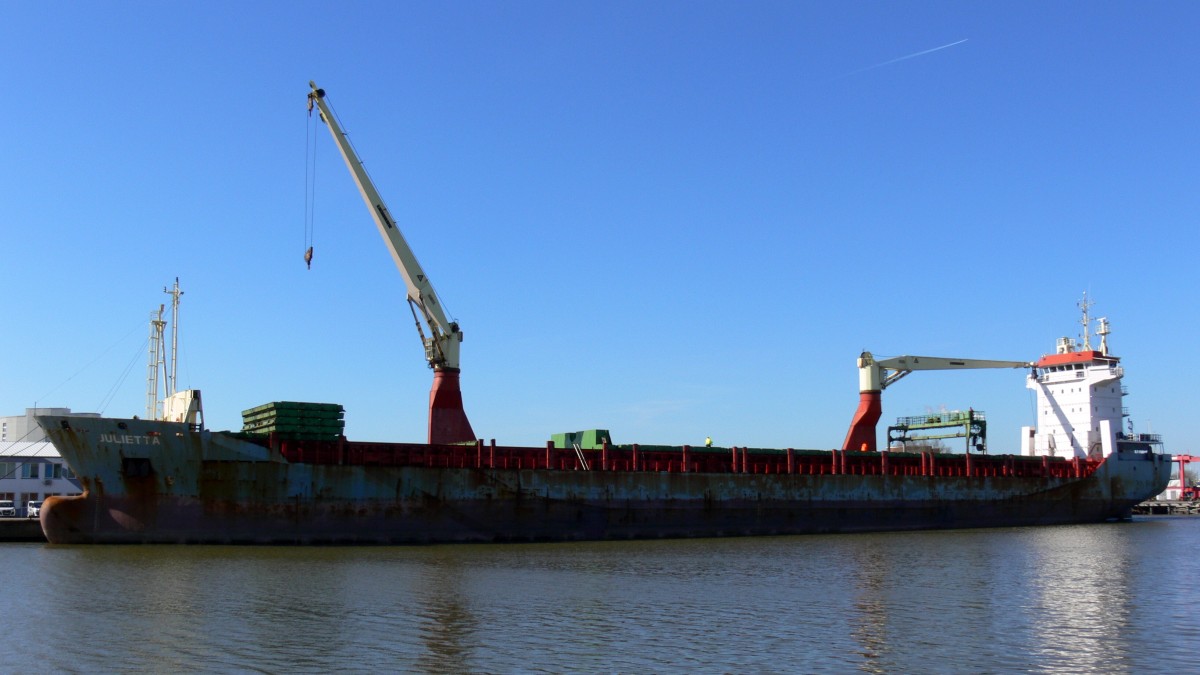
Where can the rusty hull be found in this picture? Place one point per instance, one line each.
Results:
(158, 482)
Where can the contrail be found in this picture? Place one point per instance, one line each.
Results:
(903, 58)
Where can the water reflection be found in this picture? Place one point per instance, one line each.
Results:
(871, 574)
(1078, 599)
(1019, 599)
(1083, 588)
(447, 629)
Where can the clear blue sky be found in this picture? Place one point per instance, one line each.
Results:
(669, 219)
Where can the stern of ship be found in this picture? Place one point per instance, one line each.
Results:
(1138, 470)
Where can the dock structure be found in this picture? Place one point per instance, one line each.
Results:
(1175, 507)
(21, 529)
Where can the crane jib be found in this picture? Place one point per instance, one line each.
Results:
(447, 420)
(387, 219)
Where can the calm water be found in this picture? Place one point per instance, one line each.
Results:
(1101, 598)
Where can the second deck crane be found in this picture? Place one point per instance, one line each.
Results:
(447, 420)
(874, 376)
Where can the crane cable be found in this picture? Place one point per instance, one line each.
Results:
(112, 392)
(310, 185)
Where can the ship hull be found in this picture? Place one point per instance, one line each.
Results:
(155, 483)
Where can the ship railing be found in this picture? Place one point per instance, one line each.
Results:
(685, 459)
(945, 417)
(1142, 438)
(1140, 443)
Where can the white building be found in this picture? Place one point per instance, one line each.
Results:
(24, 428)
(30, 468)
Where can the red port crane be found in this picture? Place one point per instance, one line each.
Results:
(1186, 492)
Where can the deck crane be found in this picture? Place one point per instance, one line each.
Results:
(875, 376)
(447, 420)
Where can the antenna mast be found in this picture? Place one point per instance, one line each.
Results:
(156, 362)
(1085, 305)
(174, 293)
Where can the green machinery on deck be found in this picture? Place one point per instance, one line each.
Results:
(970, 424)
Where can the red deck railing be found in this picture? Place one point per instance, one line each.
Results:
(683, 459)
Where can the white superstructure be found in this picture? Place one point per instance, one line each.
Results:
(1079, 399)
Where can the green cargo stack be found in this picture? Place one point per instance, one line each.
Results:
(308, 421)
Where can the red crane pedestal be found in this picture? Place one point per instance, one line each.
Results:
(448, 421)
(862, 428)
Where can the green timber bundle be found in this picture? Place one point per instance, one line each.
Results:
(310, 421)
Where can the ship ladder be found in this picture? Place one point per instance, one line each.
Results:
(582, 460)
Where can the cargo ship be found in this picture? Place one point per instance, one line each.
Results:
(290, 475)
(285, 480)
